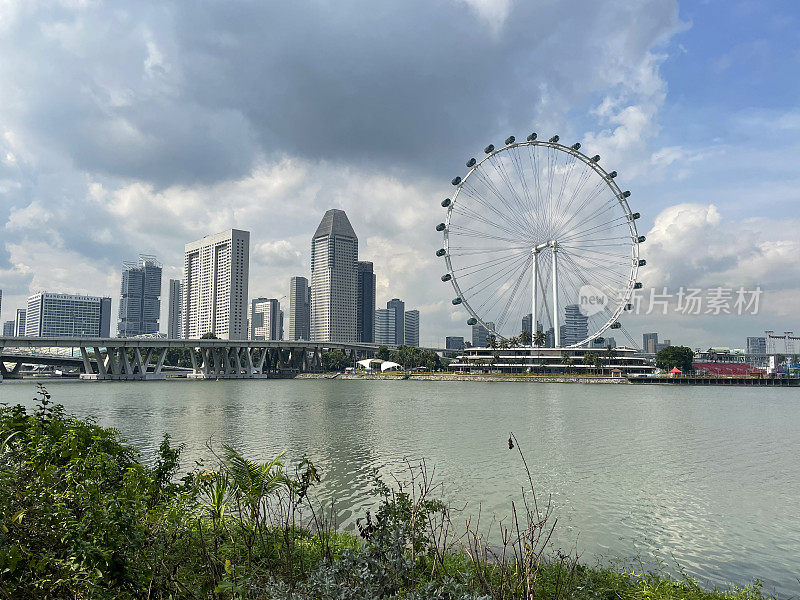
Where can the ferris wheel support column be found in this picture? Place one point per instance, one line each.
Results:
(535, 254)
(556, 329)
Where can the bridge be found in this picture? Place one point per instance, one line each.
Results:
(143, 359)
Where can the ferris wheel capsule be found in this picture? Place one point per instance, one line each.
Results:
(456, 180)
(576, 146)
(531, 137)
(554, 139)
(489, 149)
(596, 158)
(446, 277)
(440, 227)
(510, 140)
(446, 202)
(472, 321)
(471, 162)
(612, 174)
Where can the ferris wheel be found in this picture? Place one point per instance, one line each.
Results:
(540, 228)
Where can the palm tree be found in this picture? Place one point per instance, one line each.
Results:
(514, 341)
(589, 359)
(525, 337)
(491, 341)
(566, 359)
(539, 339)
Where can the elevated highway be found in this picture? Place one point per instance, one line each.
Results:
(143, 359)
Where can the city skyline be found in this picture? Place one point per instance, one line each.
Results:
(159, 152)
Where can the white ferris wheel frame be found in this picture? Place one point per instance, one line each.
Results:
(627, 293)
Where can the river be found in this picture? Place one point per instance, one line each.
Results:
(704, 479)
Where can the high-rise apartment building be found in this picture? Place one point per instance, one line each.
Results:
(385, 326)
(576, 325)
(20, 323)
(140, 297)
(265, 319)
(67, 315)
(649, 343)
(480, 334)
(8, 328)
(299, 309)
(756, 345)
(399, 319)
(215, 280)
(174, 329)
(334, 280)
(526, 324)
(411, 328)
(365, 316)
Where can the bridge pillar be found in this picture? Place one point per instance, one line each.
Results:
(101, 365)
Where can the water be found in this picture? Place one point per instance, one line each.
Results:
(704, 478)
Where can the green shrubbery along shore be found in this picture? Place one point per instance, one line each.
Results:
(82, 517)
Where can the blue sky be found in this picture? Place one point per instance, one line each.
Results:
(138, 127)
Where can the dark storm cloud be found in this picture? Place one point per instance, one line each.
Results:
(187, 91)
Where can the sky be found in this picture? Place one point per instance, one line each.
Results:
(137, 127)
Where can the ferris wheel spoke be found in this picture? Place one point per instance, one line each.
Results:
(490, 263)
(492, 299)
(520, 208)
(598, 272)
(475, 217)
(493, 278)
(501, 321)
(570, 166)
(612, 222)
(590, 198)
(489, 183)
(606, 207)
(471, 233)
(511, 220)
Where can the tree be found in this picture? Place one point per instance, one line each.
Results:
(539, 339)
(566, 358)
(491, 341)
(590, 359)
(209, 336)
(513, 341)
(335, 360)
(382, 353)
(675, 356)
(525, 337)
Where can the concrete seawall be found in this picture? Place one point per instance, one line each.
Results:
(476, 378)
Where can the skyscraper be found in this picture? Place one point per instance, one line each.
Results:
(576, 325)
(454, 342)
(140, 297)
(299, 309)
(526, 324)
(265, 319)
(174, 328)
(215, 278)
(399, 319)
(756, 345)
(334, 279)
(366, 302)
(66, 315)
(480, 334)
(20, 323)
(649, 343)
(8, 328)
(411, 328)
(384, 326)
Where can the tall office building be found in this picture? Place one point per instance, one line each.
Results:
(174, 328)
(140, 297)
(526, 324)
(576, 325)
(454, 342)
(756, 345)
(411, 328)
(299, 309)
(480, 334)
(334, 280)
(8, 328)
(399, 319)
(265, 319)
(20, 323)
(649, 343)
(67, 315)
(366, 302)
(384, 326)
(215, 278)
